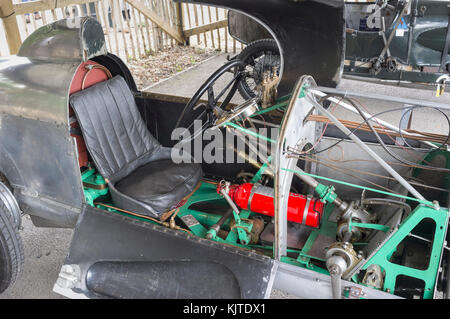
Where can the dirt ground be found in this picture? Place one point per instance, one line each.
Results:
(166, 63)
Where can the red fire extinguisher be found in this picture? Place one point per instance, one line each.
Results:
(259, 199)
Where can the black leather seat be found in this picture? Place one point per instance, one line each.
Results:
(141, 174)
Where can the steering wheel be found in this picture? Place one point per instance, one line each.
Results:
(212, 109)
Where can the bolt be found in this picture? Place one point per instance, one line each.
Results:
(334, 270)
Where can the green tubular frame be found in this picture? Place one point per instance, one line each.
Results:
(206, 192)
(239, 235)
(392, 270)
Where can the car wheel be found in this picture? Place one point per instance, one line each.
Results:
(259, 57)
(11, 249)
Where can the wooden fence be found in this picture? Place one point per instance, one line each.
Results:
(132, 28)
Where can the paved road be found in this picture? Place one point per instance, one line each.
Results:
(45, 249)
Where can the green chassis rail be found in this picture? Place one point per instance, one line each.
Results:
(198, 222)
(239, 232)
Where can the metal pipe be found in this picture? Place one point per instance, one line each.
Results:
(412, 25)
(373, 119)
(388, 201)
(311, 181)
(391, 37)
(369, 151)
(306, 178)
(216, 227)
(320, 90)
(230, 201)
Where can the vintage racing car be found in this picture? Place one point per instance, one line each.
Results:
(324, 208)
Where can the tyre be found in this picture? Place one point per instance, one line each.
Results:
(11, 249)
(259, 57)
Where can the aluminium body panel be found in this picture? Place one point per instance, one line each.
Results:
(35, 137)
(117, 256)
(38, 155)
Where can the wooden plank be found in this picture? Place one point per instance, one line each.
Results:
(140, 6)
(147, 29)
(139, 23)
(33, 21)
(88, 9)
(160, 33)
(44, 18)
(226, 39)
(211, 33)
(157, 34)
(100, 8)
(179, 17)
(116, 5)
(27, 7)
(218, 30)
(196, 22)
(206, 28)
(127, 20)
(136, 31)
(41, 5)
(165, 15)
(10, 24)
(54, 15)
(173, 17)
(203, 23)
(188, 11)
(25, 25)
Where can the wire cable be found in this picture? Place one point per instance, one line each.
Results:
(383, 145)
(367, 120)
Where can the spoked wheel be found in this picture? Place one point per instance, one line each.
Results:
(217, 102)
(258, 57)
(11, 247)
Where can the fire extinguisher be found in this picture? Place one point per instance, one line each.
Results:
(259, 199)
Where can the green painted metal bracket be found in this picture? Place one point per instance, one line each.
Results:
(393, 270)
(99, 188)
(240, 233)
(326, 193)
(206, 192)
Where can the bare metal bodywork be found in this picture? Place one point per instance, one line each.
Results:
(39, 159)
(40, 162)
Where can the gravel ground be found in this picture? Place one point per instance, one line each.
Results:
(166, 63)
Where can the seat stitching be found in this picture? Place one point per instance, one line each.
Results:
(119, 140)
(89, 118)
(126, 128)
(138, 119)
(107, 140)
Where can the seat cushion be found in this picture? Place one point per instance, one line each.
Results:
(160, 184)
